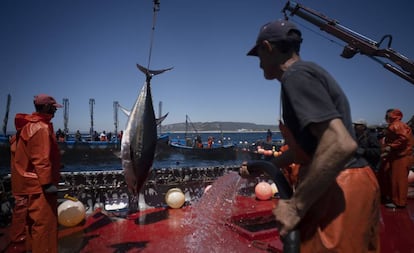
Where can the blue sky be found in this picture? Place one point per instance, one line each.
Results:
(81, 49)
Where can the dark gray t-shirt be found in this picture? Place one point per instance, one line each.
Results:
(311, 95)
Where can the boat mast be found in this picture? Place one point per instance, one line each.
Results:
(91, 104)
(116, 106)
(65, 115)
(188, 120)
(6, 116)
(186, 126)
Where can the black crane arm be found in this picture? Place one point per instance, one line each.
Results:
(356, 43)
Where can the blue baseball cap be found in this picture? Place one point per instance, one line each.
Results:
(274, 31)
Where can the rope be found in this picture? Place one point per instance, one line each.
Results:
(156, 8)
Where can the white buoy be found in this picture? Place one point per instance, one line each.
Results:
(175, 198)
(71, 213)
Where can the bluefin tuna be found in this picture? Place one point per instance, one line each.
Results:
(140, 137)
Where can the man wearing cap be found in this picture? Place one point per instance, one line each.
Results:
(35, 165)
(335, 205)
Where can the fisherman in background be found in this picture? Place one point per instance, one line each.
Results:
(198, 142)
(120, 135)
(210, 142)
(60, 135)
(368, 144)
(78, 136)
(103, 137)
(35, 173)
(396, 160)
(109, 136)
(95, 136)
(269, 136)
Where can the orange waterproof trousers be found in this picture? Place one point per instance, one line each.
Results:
(346, 219)
(384, 180)
(41, 222)
(18, 225)
(399, 169)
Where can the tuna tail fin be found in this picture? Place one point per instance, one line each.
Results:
(158, 121)
(150, 73)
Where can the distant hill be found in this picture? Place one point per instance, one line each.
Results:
(218, 126)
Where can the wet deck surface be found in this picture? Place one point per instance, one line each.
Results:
(397, 229)
(166, 230)
(173, 230)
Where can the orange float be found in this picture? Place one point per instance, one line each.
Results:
(263, 191)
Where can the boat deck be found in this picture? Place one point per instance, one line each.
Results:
(164, 230)
(179, 230)
(397, 229)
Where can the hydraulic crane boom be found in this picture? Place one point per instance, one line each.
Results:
(356, 43)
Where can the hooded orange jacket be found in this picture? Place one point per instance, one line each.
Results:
(398, 135)
(35, 156)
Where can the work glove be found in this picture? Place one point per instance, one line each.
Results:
(50, 188)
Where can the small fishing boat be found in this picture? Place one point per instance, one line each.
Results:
(193, 146)
(85, 152)
(215, 151)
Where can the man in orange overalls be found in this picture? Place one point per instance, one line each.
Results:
(396, 160)
(35, 174)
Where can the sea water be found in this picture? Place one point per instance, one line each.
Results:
(170, 160)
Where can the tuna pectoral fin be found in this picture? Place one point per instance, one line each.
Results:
(158, 121)
(124, 110)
